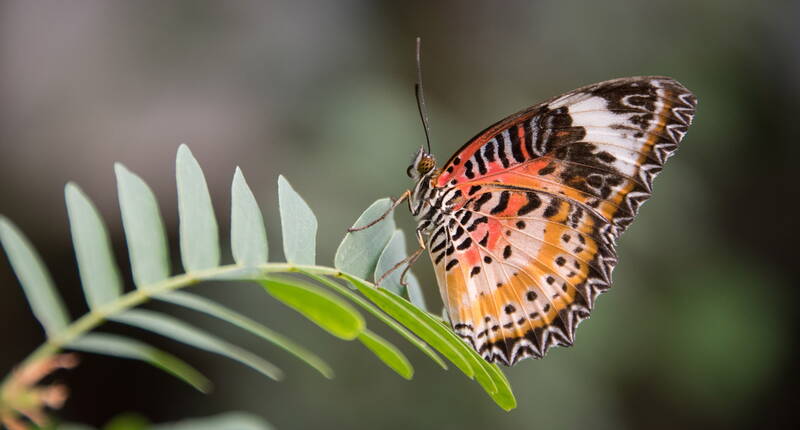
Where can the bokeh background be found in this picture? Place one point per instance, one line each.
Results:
(699, 330)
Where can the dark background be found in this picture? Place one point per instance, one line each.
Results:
(699, 330)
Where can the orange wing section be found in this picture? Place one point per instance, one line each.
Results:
(519, 269)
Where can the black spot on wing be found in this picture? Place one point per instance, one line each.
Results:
(468, 169)
(502, 204)
(501, 152)
(489, 150)
(485, 197)
(481, 163)
(516, 148)
(465, 244)
(532, 204)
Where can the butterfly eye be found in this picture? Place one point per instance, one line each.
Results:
(425, 165)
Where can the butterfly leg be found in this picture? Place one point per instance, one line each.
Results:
(408, 261)
(414, 257)
(395, 203)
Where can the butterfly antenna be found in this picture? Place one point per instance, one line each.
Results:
(423, 111)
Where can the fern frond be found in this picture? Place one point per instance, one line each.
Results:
(360, 256)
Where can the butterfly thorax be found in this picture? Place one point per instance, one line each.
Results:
(427, 200)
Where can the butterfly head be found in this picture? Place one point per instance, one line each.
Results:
(422, 164)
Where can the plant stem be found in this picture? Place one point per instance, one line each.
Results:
(142, 294)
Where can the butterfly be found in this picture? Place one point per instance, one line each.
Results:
(522, 222)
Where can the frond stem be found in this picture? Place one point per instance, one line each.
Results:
(129, 300)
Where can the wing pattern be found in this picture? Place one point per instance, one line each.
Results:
(536, 204)
(519, 269)
(601, 145)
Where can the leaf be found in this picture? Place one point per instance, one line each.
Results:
(418, 322)
(226, 421)
(359, 251)
(123, 347)
(388, 353)
(99, 274)
(324, 309)
(198, 225)
(202, 304)
(173, 328)
(369, 307)
(414, 292)
(503, 396)
(298, 225)
(393, 253)
(442, 339)
(248, 236)
(144, 228)
(34, 278)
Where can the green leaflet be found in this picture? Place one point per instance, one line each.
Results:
(324, 309)
(199, 234)
(359, 251)
(393, 253)
(35, 279)
(144, 229)
(99, 274)
(202, 304)
(443, 340)
(298, 224)
(182, 332)
(248, 235)
(414, 292)
(369, 307)
(388, 353)
(120, 346)
(417, 321)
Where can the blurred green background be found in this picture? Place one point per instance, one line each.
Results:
(699, 329)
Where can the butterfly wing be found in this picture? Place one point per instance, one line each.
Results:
(519, 269)
(539, 200)
(601, 145)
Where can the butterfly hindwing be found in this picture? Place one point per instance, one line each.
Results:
(519, 269)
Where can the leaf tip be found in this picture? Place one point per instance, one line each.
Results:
(184, 154)
(71, 189)
(509, 406)
(123, 173)
(238, 176)
(205, 386)
(282, 184)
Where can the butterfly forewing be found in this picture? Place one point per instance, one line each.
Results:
(601, 145)
(536, 204)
